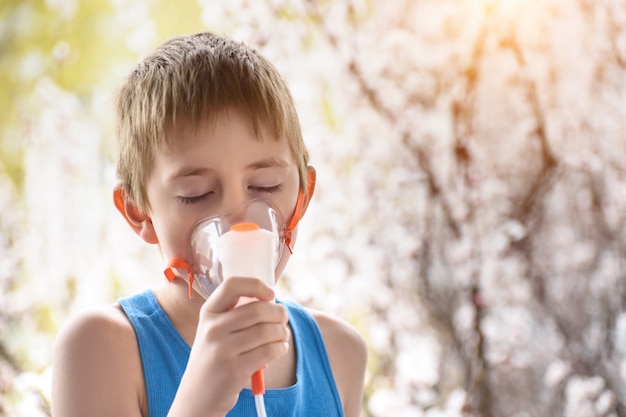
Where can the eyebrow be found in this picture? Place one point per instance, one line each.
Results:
(189, 171)
(268, 163)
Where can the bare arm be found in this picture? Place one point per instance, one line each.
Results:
(96, 369)
(347, 353)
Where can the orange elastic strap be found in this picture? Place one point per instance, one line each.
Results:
(297, 212)
(118, 199)
(177, 263)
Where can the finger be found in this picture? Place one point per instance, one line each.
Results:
(259, 357)
(259, 335)
(257, 312)
(241, 318)
(228, 293)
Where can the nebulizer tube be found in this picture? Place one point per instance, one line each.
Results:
(247, 250)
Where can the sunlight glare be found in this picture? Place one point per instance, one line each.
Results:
(504, 7)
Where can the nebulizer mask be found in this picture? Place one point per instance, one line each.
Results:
(247, 241)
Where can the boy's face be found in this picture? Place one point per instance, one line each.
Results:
(215, 168)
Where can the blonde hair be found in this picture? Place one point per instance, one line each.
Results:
(192, 78)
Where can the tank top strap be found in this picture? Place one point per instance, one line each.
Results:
(164, 353)
(319, 395)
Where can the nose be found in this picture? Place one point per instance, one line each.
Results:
(233, 199)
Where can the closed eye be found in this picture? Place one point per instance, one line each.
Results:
(267, 190)
(194, 199)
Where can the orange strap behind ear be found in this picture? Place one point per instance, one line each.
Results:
(118, 199)
(138, 221)
(297, 212)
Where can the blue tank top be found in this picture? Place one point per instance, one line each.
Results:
(164, 356)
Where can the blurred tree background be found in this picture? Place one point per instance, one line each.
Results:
(469, 217)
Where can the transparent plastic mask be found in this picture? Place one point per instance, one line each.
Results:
(246, 241)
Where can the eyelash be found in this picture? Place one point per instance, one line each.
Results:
(198, 198)
(194, 199)
(269, 190)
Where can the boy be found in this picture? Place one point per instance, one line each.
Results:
(205, 124)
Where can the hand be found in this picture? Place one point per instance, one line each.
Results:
(230, 345)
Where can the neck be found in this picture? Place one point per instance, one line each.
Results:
(182, 311)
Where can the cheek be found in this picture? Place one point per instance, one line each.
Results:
(173, 238)
(171, 229)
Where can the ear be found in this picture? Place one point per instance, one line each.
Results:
(139, 222)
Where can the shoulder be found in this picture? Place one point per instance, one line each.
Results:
(96, 366)
(347, 353)
(96, 332)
